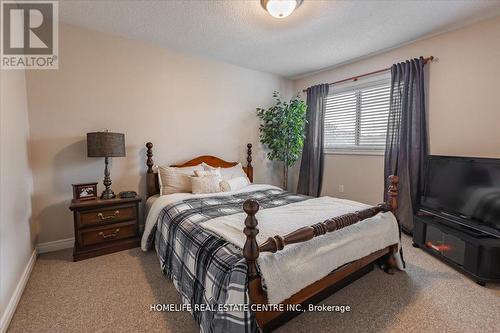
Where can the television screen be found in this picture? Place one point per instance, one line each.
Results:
(466, 187)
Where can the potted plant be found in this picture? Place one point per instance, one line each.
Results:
(282, 131)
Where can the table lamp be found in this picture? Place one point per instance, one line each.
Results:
(106, 144)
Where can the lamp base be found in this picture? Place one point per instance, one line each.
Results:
(108, 194)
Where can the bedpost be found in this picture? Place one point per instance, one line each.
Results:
(150, 176)
(251, 253)
(390, 262)
(392, 192)
(251, 248)
(249, 167)
(149, 154)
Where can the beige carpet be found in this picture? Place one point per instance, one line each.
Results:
(113, 293)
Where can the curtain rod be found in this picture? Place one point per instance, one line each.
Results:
(356, 78)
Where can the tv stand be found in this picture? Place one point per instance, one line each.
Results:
(468, 250)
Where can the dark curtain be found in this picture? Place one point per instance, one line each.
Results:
(406, 146)
(311, 166)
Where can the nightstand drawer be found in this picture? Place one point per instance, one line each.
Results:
(109, 233)
(110, 215)
(105, 226)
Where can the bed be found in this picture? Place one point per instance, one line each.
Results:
(250, 260)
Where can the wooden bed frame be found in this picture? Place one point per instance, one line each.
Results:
(153, 186)
(319, 290)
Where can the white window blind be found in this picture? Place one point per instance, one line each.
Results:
(356, 117)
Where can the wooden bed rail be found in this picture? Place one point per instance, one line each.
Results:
(277, 243)
(251, 249)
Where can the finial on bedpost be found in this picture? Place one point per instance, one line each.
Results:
(149, 154)
(251, 248)
(392, 192)
(249, 167)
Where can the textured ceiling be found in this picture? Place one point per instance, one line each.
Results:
(317, 35)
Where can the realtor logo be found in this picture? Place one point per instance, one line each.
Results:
(29, 33)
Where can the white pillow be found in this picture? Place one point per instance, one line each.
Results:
(206, 184)
(205, 173)
(176, 180)
(234, 184)
(228, 173)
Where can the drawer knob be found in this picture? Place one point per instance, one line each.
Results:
(109, 217)
(109, 235)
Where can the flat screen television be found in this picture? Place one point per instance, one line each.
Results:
(465, 188)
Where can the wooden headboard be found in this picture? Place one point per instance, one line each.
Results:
(152, 185)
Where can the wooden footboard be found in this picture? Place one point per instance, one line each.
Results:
(325, 286)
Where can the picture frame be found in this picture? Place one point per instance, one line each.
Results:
(84, 191)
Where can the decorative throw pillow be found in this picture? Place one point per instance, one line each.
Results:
(206, 184)
(176, 180)
(228, 173)
(234, 184)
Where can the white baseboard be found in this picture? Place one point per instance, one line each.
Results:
(16, 296)
(55, 245)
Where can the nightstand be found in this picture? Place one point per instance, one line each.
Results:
(105, 226)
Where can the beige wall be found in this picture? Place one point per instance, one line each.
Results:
(463, 104)
(16, 185)
(196, 106)
(185, 105)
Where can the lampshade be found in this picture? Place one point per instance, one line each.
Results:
(105, 144)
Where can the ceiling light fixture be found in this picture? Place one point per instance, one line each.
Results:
(280, 8)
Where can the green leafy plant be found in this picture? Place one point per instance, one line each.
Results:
(282, 131)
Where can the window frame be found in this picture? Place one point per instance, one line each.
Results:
(355, 86)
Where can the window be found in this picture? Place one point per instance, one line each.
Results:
(356, 116)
